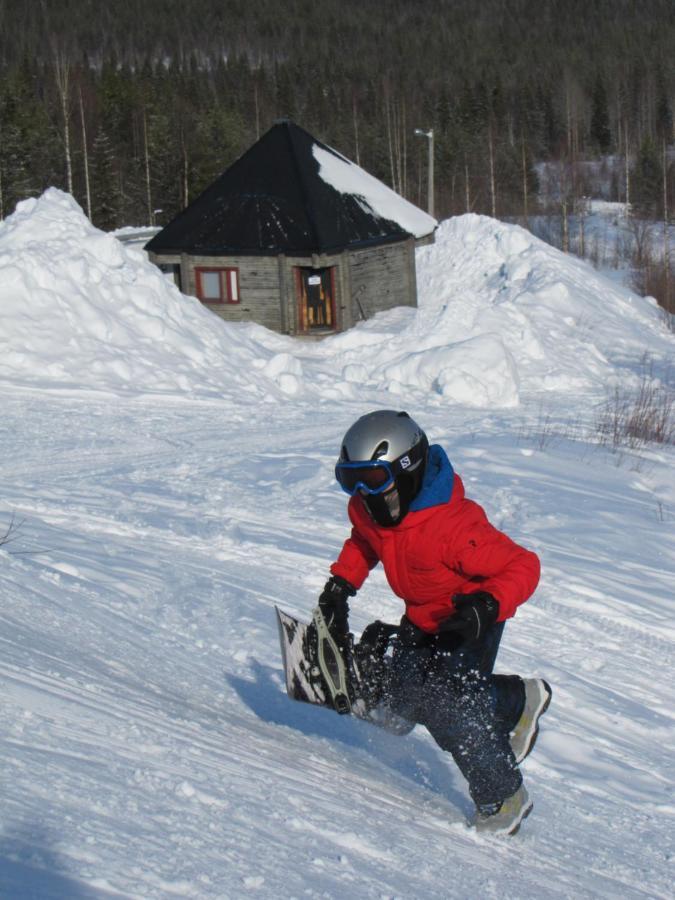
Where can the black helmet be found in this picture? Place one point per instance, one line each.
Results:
(383, 458)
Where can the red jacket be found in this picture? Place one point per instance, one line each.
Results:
(436, 552)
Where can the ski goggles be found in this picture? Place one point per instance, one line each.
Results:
(372, 477)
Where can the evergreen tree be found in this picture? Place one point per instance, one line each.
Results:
(359, 76)
(647, 181)
(601, 134)
(22, 128)
(107, 198)
(664, 112)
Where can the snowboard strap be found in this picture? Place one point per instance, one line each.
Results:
(332, 665)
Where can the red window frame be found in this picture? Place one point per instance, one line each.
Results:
(228, 282)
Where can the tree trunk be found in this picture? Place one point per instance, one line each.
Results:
(62, 77)
(568, 119)
(186, 184)
(525, 198)
(627, 165)
(148, 191)
(396, 136)
(565, 226)
(85, 156)
(390, 144)
(466, 187)
(666, 245)
(582, 229)
(356, 132)
(493, 191)
(404, 140)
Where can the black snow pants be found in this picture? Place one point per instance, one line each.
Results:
(468, 710)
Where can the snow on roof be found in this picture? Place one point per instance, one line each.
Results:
(374, 196)
(501, 314)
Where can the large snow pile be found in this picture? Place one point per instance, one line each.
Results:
(79, 309)
(568, 326)
(500, 314)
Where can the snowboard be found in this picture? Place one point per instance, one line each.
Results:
(314, 673)
(347, 681)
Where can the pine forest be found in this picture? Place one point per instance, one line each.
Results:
(135, 107)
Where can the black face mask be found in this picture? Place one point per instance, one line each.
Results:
(391, 507)
(385, 509)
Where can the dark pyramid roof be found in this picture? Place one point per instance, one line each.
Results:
(273, 200)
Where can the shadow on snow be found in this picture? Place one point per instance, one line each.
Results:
(408, 756)
(31, 870)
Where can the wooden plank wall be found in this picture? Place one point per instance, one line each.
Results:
(259, 286)
(381, 278)
(369, 280)
(258, 289)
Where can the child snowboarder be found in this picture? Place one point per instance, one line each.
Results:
(460, 579)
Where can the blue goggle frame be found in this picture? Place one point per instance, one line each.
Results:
(347, 474)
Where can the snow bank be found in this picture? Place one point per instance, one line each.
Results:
(80, 310)
(567, 326)
(500, 314)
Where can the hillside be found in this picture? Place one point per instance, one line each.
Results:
(168, 480)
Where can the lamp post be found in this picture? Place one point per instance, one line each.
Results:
(429, 135)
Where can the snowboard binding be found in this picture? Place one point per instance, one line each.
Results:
(348, 679)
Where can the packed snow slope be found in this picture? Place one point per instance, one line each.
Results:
(169, 478)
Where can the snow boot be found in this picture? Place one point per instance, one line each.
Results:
(537, 698)
(504, 817)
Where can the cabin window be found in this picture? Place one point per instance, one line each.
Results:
(218, 285)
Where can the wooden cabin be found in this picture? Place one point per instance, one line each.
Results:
(295, 237)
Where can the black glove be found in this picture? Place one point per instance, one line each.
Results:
(334, 607)
(376, 637)
(474, 614)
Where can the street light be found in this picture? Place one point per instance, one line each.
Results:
(430, 191)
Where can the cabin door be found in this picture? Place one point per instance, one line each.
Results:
(316, 298)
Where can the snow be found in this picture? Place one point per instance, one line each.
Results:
(375, 197)
(171, 480)
(501, 313)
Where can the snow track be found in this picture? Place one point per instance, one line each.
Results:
(149, 748)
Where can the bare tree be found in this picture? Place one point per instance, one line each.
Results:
(185, 191)
(146, 159)
(62, 78)
(467, 198)
(666, 232)
(85, 157)
(525, 191)
(491, 157)
(582, 211)
(390, 139)
(626, 157)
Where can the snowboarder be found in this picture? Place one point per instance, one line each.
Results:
(461, 579)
